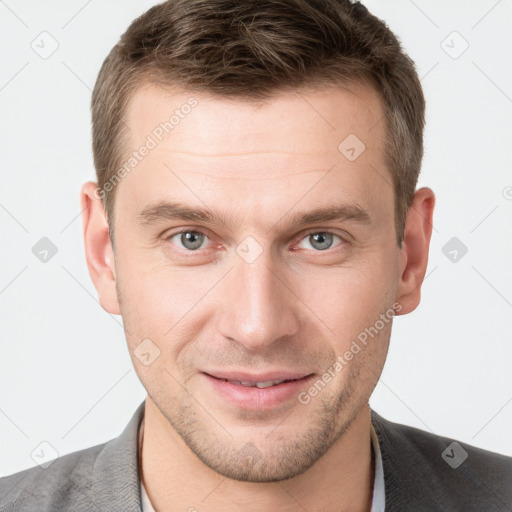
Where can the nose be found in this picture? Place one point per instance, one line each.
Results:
(258, 306)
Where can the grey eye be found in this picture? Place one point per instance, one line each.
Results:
(190, 240)
(321, 240)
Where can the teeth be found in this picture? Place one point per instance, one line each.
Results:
(268, 383)
(260, 385)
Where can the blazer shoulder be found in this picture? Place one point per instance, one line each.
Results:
(447, 471)
(428, 443)
(52, 487)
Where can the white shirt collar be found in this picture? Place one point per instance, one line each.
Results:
(379, 495)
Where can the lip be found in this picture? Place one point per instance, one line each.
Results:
(257, 377)
(254, 398)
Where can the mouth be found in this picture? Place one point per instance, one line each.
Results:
(260, 384)
(257, 392)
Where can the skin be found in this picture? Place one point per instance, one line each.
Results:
(295, 307)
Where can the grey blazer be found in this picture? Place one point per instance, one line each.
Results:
(419, 475)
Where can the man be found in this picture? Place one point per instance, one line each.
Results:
(256, 224)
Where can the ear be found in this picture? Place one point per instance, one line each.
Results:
(414, 251)
(98, 247)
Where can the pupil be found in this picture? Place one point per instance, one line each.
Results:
(192, 238)
(325, 240)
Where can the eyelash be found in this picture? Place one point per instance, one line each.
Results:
(303, 236)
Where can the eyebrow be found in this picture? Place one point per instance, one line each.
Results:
(170, 210)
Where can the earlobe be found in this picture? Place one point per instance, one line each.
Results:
(98, 248)
(414, 251)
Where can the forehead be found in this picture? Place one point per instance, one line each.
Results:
(305, 120)
(260, 155)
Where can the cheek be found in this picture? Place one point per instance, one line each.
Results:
(347, 300)
(163, 303)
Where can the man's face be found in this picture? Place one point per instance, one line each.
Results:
(254, 294)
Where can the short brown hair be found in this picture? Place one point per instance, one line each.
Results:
(252, 49)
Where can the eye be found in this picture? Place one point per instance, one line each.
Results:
(190, 239)
(320, 240)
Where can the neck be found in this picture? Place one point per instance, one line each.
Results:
(175, 479)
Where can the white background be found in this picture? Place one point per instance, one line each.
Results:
(65, 374)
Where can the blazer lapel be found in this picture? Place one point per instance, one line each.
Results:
(116, 485)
